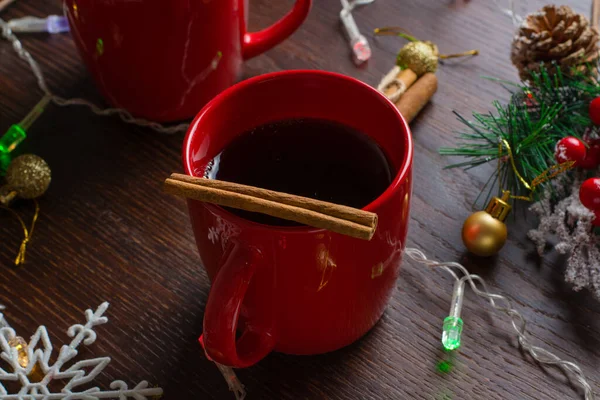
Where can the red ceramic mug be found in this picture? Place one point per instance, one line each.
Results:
(296, 290)
(165, 59)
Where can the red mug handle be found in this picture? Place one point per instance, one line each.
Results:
(256, 43)
(223, 309)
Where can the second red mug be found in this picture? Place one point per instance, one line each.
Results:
(297, 290)
(165, 59)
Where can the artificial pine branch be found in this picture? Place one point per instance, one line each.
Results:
(540, 113)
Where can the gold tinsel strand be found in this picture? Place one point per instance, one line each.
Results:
(484, 232)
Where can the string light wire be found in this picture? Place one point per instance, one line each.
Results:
(498, 302)
(511, 12)
(503, 304)
(60, 101)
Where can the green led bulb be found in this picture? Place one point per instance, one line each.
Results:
(18, 132)
(11, 139)
(453, 324)
(5, 160)
(451, 332)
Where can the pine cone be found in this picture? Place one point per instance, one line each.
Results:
(554, 36)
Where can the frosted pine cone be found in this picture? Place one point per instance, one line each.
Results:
(554, 36)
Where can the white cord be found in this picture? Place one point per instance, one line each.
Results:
(348, 6)
(60, 101)
(510, 11)
(518, 322)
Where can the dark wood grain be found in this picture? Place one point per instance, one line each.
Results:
(106, 231)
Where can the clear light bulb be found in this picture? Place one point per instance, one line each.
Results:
(50, 24)
(21, 345)
(453, 324)
(361, 51)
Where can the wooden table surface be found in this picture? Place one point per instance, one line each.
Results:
(107, 233)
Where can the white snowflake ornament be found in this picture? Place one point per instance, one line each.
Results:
(26, 361)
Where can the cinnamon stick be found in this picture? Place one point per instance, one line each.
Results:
(5, 3)
(417, 96)
(406, 77)
(334, 217)
(335, 210)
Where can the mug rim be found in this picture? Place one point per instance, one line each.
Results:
(397, 181)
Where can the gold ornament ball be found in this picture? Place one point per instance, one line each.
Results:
(420, 57)
(29, 176)
(483, 234)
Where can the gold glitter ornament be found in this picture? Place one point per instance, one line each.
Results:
(420, 57)
(29, 176)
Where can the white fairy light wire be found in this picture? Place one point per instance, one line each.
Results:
(510, 11)
(518, 322)
(60, 101)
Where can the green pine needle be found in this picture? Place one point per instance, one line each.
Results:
(539, 114)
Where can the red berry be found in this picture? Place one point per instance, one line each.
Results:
(589, 193)
(595, 111)
(569, 149)
(596, 220)
(592, 156)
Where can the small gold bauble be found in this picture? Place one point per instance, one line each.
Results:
(420, 57)
(483, 234)
(29, 176)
